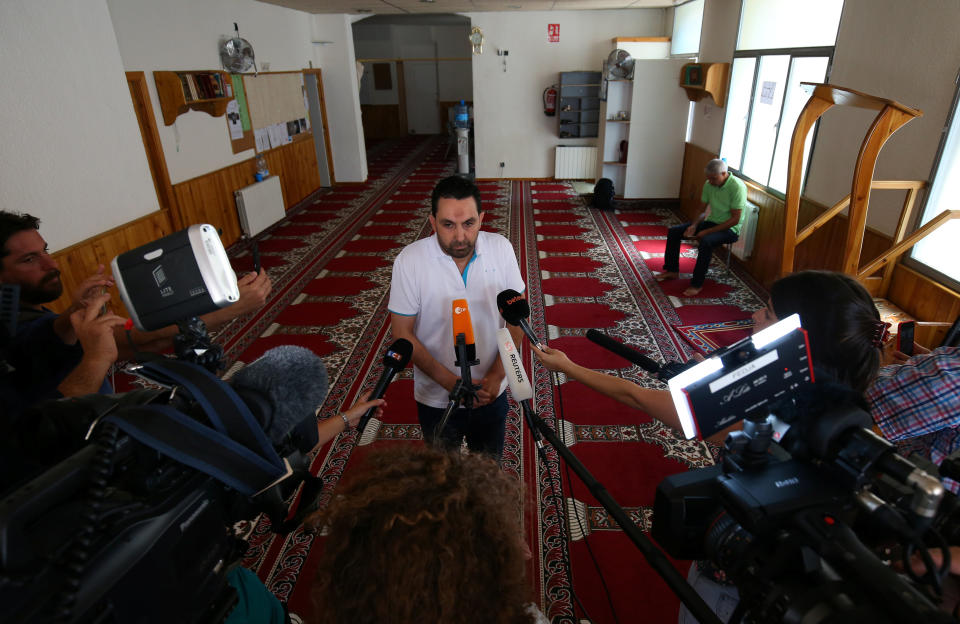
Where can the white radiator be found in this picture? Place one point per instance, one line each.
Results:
(744, 245)
(260, 205)
(575, 163)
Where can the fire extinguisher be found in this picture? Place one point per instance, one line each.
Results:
(550, 101)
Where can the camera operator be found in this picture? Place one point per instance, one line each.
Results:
(48, 342)
(846, 338)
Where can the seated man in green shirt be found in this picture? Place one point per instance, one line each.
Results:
(725, 202)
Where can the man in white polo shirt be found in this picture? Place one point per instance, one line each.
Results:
(457, 262)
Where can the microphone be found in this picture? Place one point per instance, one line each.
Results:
(462, 325)
(395, 360)
(517, 380)
(515, 310)
(520, 386)
(627, 353)
(283, 389)
(660, 371)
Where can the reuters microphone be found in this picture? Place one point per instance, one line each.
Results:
(520, 387)
(463, 325)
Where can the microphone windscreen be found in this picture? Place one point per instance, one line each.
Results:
(294, 382)
(461, 321)
(398, 354)
(520, 386)
(513, 306)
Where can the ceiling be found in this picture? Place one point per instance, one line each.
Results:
(393, 7)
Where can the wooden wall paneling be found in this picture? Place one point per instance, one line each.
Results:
(923, 298)
(299, 163)
(382, 121)
(80, 261)
(209, 199)
(695, 160)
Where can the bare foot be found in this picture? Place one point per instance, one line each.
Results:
(666, 275)
(692, 291)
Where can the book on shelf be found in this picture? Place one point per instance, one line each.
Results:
(185, 86)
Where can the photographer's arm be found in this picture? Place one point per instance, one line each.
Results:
(95, 332)
(656, 403)
(331, 427)
(254, 288)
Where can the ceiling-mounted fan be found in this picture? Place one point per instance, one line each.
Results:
(236, 54)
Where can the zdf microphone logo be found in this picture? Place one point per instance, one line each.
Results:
(459, 310)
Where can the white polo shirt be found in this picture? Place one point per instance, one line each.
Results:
(425, 283)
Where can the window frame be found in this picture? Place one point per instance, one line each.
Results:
(817, 51)
(907, 259)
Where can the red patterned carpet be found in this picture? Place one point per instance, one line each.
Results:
(330, 262)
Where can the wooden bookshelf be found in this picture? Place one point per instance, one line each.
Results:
(702, 79)
(203, 90)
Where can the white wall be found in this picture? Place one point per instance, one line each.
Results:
(902, 52)
(342, 94)
(887, 48)
(718, 40)
(184, 34)
(70, 147)
(510, 126)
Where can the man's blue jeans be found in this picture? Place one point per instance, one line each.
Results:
(671, 255)
(483, 428)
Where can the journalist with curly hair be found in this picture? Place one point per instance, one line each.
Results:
(420, 534)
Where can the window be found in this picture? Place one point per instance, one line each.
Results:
(765, 96)
(687, 20)
(936, 250)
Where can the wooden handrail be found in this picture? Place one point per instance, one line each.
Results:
(822, 219)
(890, 118)
(894, 252)
(911, 186)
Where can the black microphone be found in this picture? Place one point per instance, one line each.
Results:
(283, 389)
(627, 353)
(394, 360)
(515, 310)
(661, 371)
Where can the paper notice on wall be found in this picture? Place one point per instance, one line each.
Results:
(261, 138)
(233, 120)
(767, 91)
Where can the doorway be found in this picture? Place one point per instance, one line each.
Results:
(313, 83)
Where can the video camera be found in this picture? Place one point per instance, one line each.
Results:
(784, 521)
(139, 519)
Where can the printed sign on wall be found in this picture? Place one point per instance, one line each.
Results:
(553, 33)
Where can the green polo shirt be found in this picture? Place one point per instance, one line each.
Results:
(725, 199)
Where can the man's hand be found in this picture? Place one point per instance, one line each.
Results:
(95, 331)
(489, 387)
(89, 289)
(691, 231)
(254, 288)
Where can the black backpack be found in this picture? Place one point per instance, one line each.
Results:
(603, 194)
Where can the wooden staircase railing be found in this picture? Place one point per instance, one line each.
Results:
(891, 116)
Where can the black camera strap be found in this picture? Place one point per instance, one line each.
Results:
(235, 450)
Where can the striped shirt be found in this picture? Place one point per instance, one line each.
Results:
(917, 404)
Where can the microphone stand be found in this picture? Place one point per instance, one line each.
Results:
(463, 390)
(654, 557)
